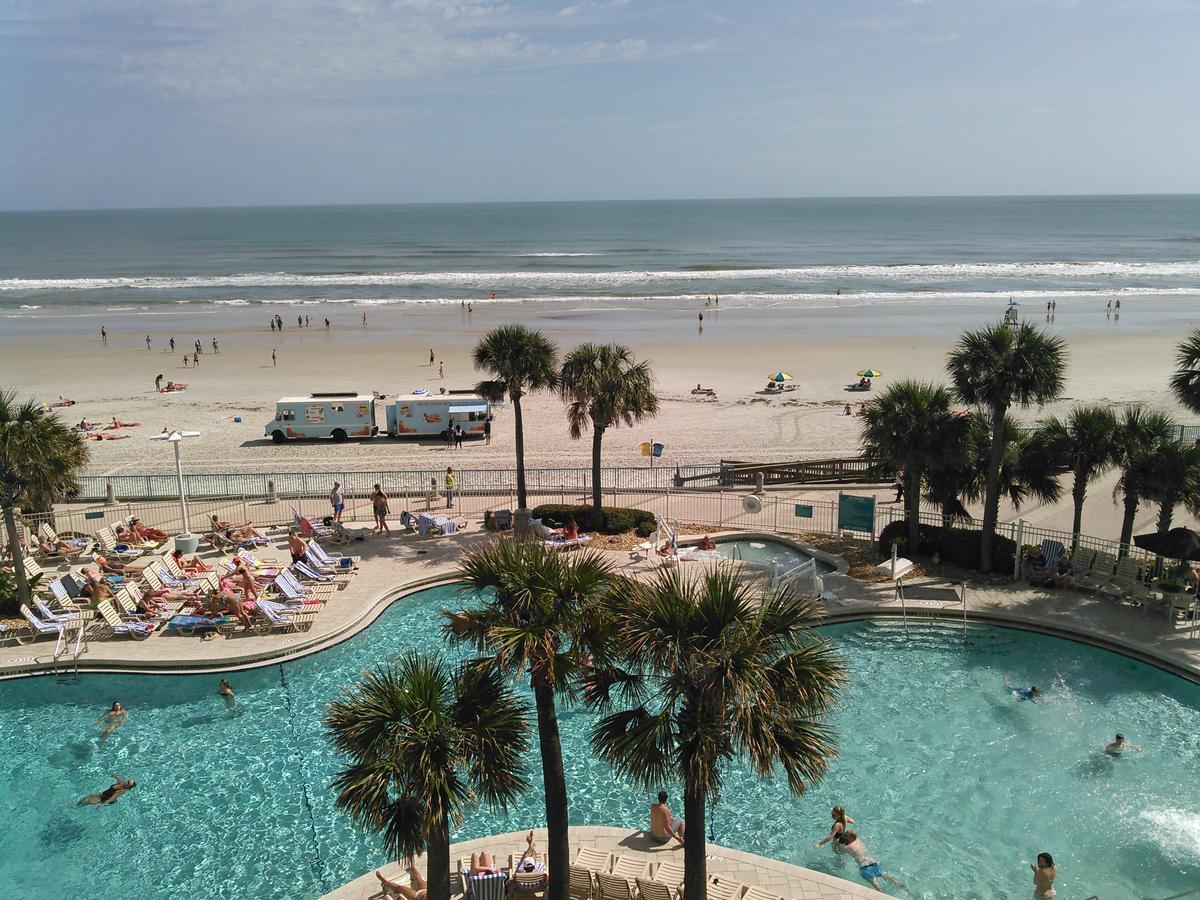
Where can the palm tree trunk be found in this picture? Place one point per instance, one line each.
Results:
(1078, 495)
(1166, 512)
(991, 499)
(1131, 508)
(437, 863)
(519, 430)
(912, 508)
(695, 877)
(597, 440)
(18, 560)
(554, 781)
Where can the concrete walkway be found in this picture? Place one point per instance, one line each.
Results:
(780, 879)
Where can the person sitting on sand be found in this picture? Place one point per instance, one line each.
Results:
(195, 564)
(663, 824)
(117, 423)
(707, 543)
(847, 411)
(862, 409)
(113, 718)
(416, 889)
(1022, 693)
(110, 794)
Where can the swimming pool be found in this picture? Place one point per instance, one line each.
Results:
(764, 551)
(953, 783)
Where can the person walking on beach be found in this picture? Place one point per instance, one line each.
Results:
(171, 343)
(442, 369)
(158, 384)
(271, 322)
(306, 323)
(379, 505)
(432, 358)
(196, 359)
(487, 431)
(364, 320)
(185, 360)
(299, 321)
(449, 487)
(216, 349)
(103, 335)
(147, 342)
(327, 323)
(273, 357)
(337, 501)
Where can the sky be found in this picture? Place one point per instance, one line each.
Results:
(143, 103)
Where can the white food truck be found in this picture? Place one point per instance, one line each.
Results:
(331, 414)
(426, 414)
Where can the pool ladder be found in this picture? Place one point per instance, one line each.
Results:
(66, 655)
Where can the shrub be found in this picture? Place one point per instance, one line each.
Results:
(615, 520)
(959, 546)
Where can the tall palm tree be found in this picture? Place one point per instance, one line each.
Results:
(425, 744)
(996, 367)
(706, 668)
(520, 362)
(539, 614)
(40, 459)
(1028, 470)
(1185, 383)
(909, 426)
(603, 386)
(1173, 477)
(1140, 433)
(1086, 443)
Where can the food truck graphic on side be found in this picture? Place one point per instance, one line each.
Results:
(330, 414)
(424, 414)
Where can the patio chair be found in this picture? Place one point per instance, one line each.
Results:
(49, 615)
(654, 890)
(595, 860)
(630, 868)
(1101, 572)
(112, 624)
(291, 589)
(1081, 561)
(281, 618)
(306, 572)
(670, 873)
(580, 885)
(38, 628)
(486, 887)
(528, 884)
(757, 893)
(316, 554)
(1125, 585)
(612, 887)
(721, 888)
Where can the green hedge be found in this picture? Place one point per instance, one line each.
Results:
(616, 520)
(959, 546)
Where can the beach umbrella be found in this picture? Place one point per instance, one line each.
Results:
(781, 376)
(1178, 543)
(870, 373)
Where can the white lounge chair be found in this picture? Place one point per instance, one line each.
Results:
(322, 560)
(595, 860)
(38, 628)
(722, 888)
(113, 624)
(279, 617)
(629, 868)
(581, 884)
(613, 887)
(654, 890)
(560, 544)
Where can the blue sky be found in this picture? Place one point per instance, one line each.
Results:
(121, 103)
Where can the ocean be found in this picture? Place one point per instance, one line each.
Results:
(771, 253)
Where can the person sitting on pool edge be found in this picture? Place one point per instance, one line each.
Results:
(1021, 693)
(663, 825)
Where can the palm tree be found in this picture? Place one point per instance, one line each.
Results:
(711, 669)
(39, 461)
(909, 426)
(996, 367)
(1173, 477)
(1027, 468)
(604, 386)
(1185, 383)
(425, 743)
(520, 361)
(538, 615)
(1086, 444)
(1140, 433)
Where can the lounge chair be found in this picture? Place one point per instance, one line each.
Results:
(595, 860)
(487, 887)
(305, 572)
(1082, 560)
(560, 544)
(38, 628)
(654, 890)
(629, 868)
(291, 589)
(49, 615)
(310, 529)
(612, 887)
(317, 555)
(757, 893)
(112, 624)
(283, 618)
(189, 624)
(1101, 572)
(670, 873)
(108, 543)
(528, 884)
(503, 519)
(580, 885)
(48, 534)
(1125, 585)
(722, 888)
(127, 601)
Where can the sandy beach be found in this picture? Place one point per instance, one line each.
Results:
(1115, 362)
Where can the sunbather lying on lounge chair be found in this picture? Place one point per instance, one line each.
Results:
(145, 533)
(95, 588)
(416, 889)
(195, 564)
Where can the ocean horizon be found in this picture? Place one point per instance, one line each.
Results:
(757, 252)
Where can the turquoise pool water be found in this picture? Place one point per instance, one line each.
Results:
(952, 781)
(763, 552)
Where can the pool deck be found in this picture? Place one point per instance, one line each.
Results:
(396, 565)
(780, 879)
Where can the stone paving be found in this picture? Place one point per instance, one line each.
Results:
(780, 879)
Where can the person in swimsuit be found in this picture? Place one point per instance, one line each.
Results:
(664, 825)
(416, 889)
(482, 864)
(841, 822)
(226, 692)
(379, 505)
(110, 794)
(1023, 693)
(113, 719)
(1043, 876)
(1119, 746)
(868, 869)
(707, 543)
(297, 546)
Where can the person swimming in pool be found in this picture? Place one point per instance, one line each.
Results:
(1030, 693)
(226, 692)
(1119, 746)
(1043, 876)
(113, 719)
(110, 794)
(870, 870)
(841, 822)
